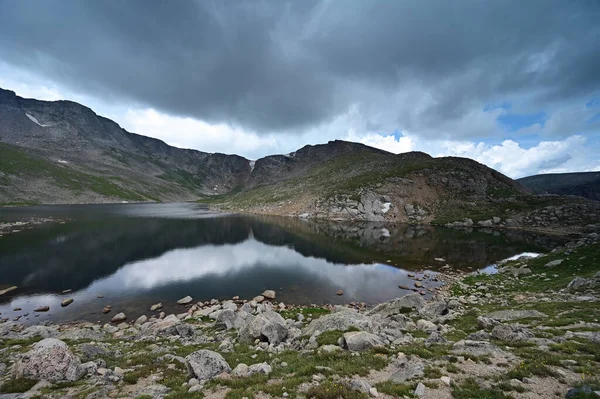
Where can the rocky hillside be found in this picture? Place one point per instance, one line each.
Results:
(62, 152)
(585, 184)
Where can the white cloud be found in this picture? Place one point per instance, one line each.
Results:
(574, 154)
(359, 123)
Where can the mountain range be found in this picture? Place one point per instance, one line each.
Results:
(63, 152)
(583, 184)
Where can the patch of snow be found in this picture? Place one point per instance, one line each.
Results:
(386, 207)
(524, 254)
(252, 163)
(290, 155)
(32, 118)
(304, 215)
(385, 232)
(62, 161)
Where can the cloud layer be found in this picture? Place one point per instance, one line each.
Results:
(274, 75)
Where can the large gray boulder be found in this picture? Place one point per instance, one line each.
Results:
(339, 321)
(511, 332)
(361, 341)
(205, 365)
(269, 326)
(399, 305)
(50, 360)
(170, 325)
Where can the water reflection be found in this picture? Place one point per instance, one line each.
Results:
(137, 255)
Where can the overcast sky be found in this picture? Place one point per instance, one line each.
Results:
(512, 84)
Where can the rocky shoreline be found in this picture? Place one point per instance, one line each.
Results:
(530, 331)
(18, 226)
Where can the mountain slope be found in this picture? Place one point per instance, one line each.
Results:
(62, 152)
(584, 184)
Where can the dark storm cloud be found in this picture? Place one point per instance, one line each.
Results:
(274, 66)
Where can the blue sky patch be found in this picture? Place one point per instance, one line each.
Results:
(513, 122)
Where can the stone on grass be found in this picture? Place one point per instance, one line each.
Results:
(358, 341)
(205, 365)
(50, 360)
(419, 390)
(342, 321)
(511, 332)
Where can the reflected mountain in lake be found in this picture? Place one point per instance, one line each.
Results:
(136, 255)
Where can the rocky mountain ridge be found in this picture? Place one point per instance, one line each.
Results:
(62, 152)
(583, 184)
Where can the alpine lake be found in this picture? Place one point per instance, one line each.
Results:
(130, 256)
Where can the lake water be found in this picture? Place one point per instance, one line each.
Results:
(134, 255)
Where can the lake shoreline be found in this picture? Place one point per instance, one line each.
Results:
(480, 334)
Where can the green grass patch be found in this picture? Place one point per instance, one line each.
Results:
(396, 390)
(17, 385)
(470, 389)
(334, 390)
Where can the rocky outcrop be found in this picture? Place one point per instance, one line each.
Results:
(50, 360)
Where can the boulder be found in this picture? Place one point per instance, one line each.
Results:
(406, 371)
(185, 301)
(242, 370)
(400, 305)
(269, 326)
(358, 341)
(511, 332)
(66, 302)
(342, 321)
(554, 263)
(50, 360)
(579, 283)
(435, 308)
(205, 365)
(119, 317)
(269, 294)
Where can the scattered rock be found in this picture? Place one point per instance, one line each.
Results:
(243, 370)
(205, 364)
(339, 292)
(119, 317)
(7, 290)
(66, 302)
(407, 370)
(446, 380)
(155, 307)
(342, 321)
(185, 301)
(358, 341)
(269, 294)
(269, 326)
(419, 390)
(511, 332)
(554, 263)
(50, 360)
